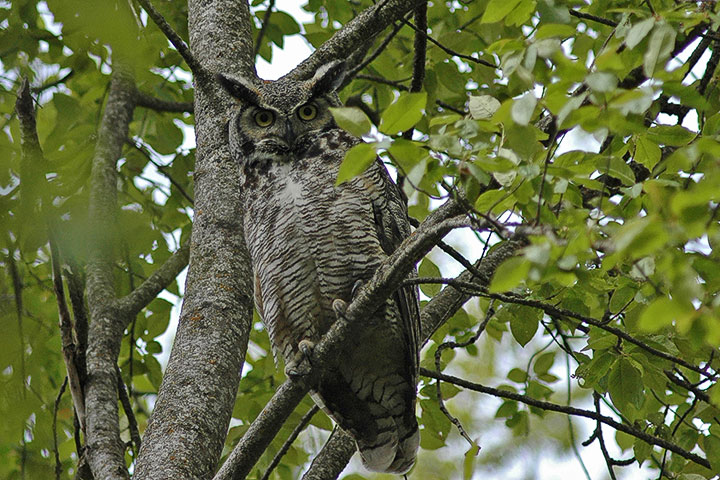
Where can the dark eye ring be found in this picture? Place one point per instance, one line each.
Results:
(307, 112)
(264, 118)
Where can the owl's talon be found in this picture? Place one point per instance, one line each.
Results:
(306, 347)
(355, 289)
(339, 307)
(301, 364)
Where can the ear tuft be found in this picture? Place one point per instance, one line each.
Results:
(328, 78)
(239, 87)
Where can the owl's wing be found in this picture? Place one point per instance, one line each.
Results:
(392, 226)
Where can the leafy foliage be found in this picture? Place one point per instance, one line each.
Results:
(590, 130)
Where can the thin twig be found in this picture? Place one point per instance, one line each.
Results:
(58, 464)
(553, 407)
(129, 414)
(448, 50)
(55, 83)
(479, 290)
(594, 18)
(453, 345)
(161, 168)
(376, 53)
(263, 28)
(548, 157)
(286, 446)
(173, 36)
(601, 440)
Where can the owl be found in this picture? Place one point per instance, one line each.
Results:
(311, 242)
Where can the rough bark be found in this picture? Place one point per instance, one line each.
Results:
(105, 449)
(186, 432)
(355, 34)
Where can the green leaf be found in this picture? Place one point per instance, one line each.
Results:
(544, 362)
(429, 269)
(639, 31)
(621, 297)
(674, 136)
(509, 274)
(356, 161)
(406, 153)
(352, 119)
(647, 152)
(483, 106)
(518, 376)
(662, 312)
(285, 22)
(404, 113)
(625, 384)
(601, 81)
(523, 108)
(497, 10)
(660, 46)
(469, 461)
(615, 167)
(524, 324)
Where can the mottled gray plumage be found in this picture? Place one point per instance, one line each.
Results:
(311, 241)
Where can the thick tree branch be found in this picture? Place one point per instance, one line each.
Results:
(553, 407)
(332, 458)
(142, 99)
(195, 401)
(105, 449)
(139, 298)
(366, 25)
(25, 109)
(66, 334)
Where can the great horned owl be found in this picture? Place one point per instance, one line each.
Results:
(311, 241)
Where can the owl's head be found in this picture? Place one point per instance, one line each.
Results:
(276, 116)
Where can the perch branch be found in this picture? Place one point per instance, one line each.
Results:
(367, 299)
(336, 452)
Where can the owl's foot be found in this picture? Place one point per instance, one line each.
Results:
(339, 307)
(300, 365)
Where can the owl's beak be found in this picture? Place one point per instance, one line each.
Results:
(289, 134)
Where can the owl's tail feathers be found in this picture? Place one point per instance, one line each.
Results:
(394, 456)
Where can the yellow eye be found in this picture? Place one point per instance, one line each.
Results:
(307, 112)
(264, 118)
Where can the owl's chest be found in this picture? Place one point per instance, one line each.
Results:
(296, 218)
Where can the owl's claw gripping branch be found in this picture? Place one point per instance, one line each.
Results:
(301, 365)
(356, 288)
(340, 306)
